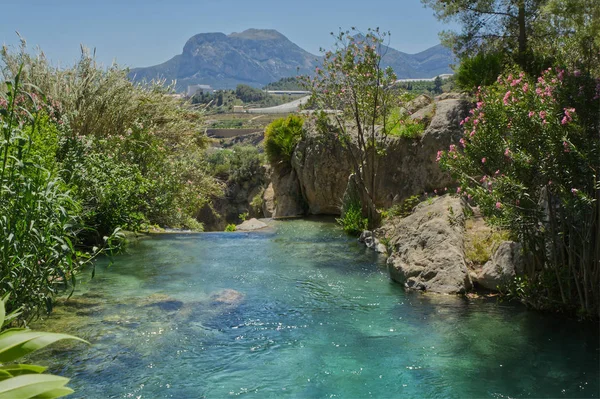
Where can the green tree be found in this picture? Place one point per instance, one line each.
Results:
(353, 83)
(437, 85)
(501, 25)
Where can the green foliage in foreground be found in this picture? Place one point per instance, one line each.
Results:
(23, 381)
(281, 137)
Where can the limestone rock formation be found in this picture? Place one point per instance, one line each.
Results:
(428, 247)
(504, 265)
(288, 197)
(408, 168)
(322, 166)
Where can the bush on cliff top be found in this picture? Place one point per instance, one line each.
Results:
(281, 137)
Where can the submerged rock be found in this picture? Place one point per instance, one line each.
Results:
(368, 238)
(428, 247)
(251, 225)
(227, 297)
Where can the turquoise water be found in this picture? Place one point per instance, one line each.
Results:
(313, 315)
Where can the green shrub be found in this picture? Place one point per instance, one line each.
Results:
(281, 137)
(352, 221)
(479, 70)
(404, 209)
(230, 227)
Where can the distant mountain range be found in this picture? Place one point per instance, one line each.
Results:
(260, 56)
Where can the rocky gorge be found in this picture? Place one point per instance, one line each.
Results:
(426, 248)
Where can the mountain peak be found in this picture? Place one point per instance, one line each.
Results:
(259, 34)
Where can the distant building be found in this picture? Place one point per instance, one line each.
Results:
(195, 89)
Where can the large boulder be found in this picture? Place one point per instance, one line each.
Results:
(428, 247)
(505, 263)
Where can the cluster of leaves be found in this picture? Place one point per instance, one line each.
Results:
(352, 220)
(27, 380)
(281, 137)
(403, 209)
(400, 124)
(530, 157)
(236, 165)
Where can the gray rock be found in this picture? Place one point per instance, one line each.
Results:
(428, 247)
(288, 197)
(268, 205)
(251, 225)
(323, 167)
(368, 238)
(506, 262)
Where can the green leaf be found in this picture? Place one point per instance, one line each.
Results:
(18, 342)
(22, 369)
(55, 393)
(33, 386)
(2, 310)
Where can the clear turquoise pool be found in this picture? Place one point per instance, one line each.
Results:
(303, 311)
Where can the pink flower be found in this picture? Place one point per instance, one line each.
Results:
(472, 133)
(462, 142)
(574, 191)
(566, 147)
(469, 196)
(439, 156)
(531, 113)
(507, 152)
(577, 73)
(479, 104)
(458, 190)
(498, 205)
(483, 160)
(452, 148)
(525, 87)
(506, 96)
(543, 114)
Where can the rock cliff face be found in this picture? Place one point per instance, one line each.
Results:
(322, 166)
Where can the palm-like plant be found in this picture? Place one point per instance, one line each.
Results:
(23, 381)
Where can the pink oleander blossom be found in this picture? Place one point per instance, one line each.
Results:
(498, 205)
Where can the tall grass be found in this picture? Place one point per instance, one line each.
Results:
(84, 153)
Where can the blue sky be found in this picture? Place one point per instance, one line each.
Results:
(147, 32)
